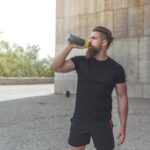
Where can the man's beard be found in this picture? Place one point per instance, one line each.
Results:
(92, 51)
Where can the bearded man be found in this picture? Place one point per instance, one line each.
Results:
(98, 74)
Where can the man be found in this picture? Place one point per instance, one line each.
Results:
(97, 75)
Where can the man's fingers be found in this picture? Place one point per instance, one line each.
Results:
(121, 136)
(121, 139)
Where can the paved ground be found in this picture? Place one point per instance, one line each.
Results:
(11, 92)
(42, 123)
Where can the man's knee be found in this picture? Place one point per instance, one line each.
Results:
(78, 148)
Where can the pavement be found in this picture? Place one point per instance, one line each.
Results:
(11, 92)
(43, 122)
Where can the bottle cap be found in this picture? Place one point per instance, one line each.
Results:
(86, 44)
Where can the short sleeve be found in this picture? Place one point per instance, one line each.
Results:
(121, 76)
(76, 61)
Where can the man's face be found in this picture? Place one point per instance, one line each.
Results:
(95, 39)
(95, 44)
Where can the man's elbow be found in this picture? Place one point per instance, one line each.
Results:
(125, 96)
(122, 94)
(123, 99)
(56, 69)
(52, 68)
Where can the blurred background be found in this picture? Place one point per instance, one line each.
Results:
(27, 37)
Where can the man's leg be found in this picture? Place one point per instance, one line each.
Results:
(102, 135)
(78, 148)
(79, 137)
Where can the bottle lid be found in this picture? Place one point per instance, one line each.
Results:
(86, 44)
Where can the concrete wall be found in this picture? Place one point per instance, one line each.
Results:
(130, 24)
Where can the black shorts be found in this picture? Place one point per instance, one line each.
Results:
(100, 132)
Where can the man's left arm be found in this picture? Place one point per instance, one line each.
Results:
(122, 97)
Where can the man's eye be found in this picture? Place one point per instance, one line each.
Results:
(92, 37)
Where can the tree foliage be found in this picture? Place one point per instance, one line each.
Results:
(17, 61)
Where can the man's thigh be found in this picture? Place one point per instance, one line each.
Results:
(79, 136)
(102, 135)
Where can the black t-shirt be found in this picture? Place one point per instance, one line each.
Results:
(96, 80)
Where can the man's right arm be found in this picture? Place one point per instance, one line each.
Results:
(60, 64)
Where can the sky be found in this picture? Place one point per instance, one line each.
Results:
(29, 22)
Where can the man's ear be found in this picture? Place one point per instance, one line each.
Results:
(104, 43)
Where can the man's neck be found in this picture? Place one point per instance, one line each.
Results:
(101, 56)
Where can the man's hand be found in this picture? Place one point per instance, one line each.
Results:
(69, 44)
(121, 135)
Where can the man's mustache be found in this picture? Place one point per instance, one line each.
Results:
(90, 45)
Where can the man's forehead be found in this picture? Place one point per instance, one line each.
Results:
(95, 34)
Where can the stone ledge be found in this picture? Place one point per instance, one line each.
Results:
(25, 80)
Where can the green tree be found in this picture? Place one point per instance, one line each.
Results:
(16, 61)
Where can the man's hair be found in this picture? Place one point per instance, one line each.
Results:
(105, 34)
